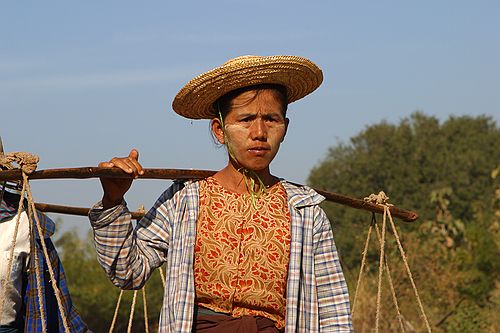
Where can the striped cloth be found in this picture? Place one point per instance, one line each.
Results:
(8, 205)
(317, 296)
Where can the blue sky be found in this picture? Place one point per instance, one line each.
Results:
(83, 82)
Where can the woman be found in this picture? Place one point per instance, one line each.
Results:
(245, 251)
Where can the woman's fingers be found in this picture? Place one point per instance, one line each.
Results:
(134, 159)
(134, 154)
(129, 164)
(125, 164)
(106, 165)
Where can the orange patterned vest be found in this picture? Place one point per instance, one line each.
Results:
(242, 252)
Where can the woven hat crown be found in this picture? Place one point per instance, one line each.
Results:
(298, 75)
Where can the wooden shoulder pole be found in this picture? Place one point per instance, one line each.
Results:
(185, 174)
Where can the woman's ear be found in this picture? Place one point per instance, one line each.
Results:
(218, 130)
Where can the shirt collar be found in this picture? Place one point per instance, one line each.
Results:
(9, 205)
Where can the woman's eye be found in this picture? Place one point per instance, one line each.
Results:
(274, 120)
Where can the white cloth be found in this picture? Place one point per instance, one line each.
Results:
(13, 288)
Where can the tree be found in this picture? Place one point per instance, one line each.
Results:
(409, 161)
(447, 172)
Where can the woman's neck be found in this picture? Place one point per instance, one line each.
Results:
(238, 179)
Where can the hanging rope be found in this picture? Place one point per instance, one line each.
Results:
(117, 307)
(363, 263)
(382, 199)
(132, 310)
(53, 280)
(162, 277)
(408, 271)
(144, 303)
(380, 272)
(37, 274)
(391, 285)
(131, 317)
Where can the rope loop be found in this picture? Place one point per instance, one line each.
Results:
(380, 199)
(27, 162)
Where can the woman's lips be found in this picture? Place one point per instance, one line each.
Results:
(258, 151)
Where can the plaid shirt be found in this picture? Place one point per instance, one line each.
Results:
(317, 296)
(32, 303)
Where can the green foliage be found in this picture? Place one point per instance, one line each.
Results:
(449, 173)
(409, 161)
(95, 296)
(469, 318)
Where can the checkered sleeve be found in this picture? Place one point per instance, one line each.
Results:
(130, 255)
(333, 297)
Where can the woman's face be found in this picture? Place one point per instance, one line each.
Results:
(254, 129)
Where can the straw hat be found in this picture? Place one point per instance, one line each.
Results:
(299, 75)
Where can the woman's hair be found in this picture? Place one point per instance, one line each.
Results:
(223, 104)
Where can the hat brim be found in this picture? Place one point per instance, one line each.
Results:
(299, 75)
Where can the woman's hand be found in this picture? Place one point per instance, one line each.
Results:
(115, 188)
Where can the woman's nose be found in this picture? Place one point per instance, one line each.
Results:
(259, 130)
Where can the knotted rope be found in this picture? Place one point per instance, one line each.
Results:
(27, 163)
(382, 199)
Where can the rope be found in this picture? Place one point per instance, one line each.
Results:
(129, 329)
(37, 272)
(391, 284)
(380, 271)
(27, 162)
(408, 271)
(11, 253)
(113, 322)
(162, 277)
(146, 324)
(382, 199)
(57, 292)
(363, 262)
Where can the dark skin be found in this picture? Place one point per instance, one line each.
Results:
(115, 188)
(253, 131)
